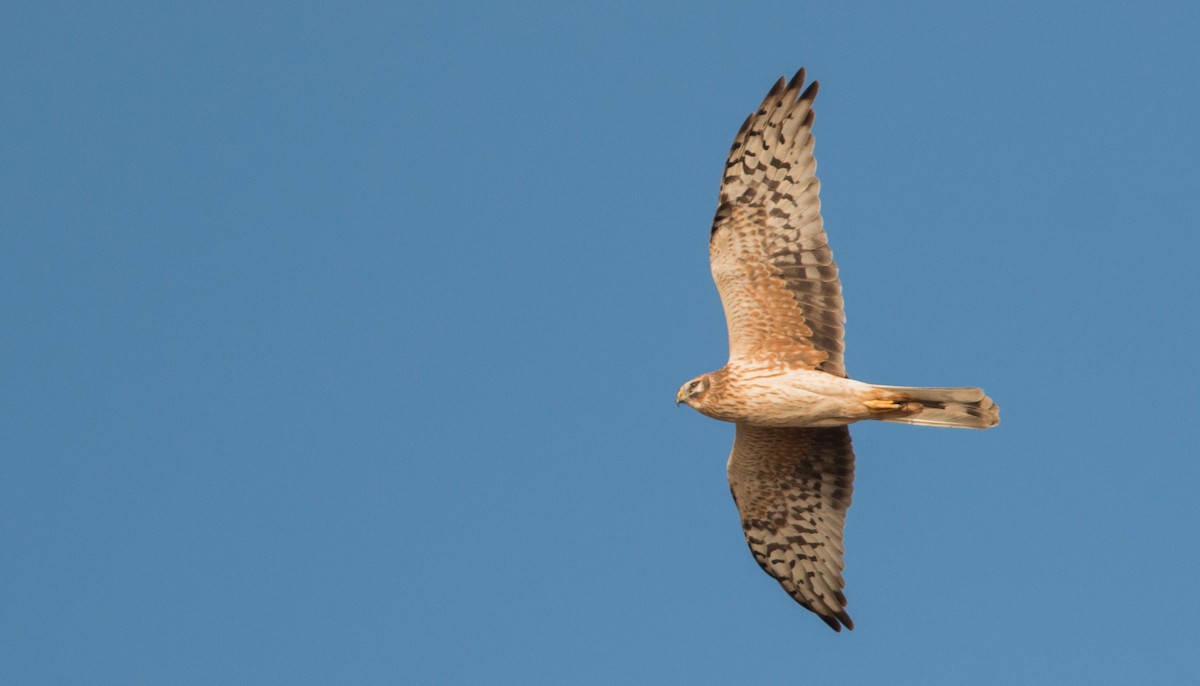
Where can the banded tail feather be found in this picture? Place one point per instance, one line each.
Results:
(964, 408)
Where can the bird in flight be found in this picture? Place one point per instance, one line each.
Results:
(785, 386)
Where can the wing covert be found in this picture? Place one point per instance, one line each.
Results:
(769, 255)
(793, 487)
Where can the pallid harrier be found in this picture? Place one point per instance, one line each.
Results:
(785, 386)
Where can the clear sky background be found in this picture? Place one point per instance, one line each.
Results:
(340, 341)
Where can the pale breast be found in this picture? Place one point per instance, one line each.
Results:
(771, 396)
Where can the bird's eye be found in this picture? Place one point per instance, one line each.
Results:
(694, 386)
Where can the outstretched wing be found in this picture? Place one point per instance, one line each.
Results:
(772, 264)
(792, 487)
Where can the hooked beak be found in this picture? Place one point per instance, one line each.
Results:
(679, 397)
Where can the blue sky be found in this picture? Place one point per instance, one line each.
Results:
(340, 341)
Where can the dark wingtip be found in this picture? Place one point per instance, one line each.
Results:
(778, 87)
(772, 96)
(837, 620)
(810, 93)
(797, 80)
(846, 620)
(832, 622)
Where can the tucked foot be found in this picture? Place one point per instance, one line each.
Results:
(890, 409)
(881, 405)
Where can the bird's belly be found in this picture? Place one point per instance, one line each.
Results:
(802, 399)
(804, 408)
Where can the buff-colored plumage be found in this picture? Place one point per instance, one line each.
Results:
(785, 385)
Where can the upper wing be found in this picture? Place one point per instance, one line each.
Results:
(792, 487)
(772, 264)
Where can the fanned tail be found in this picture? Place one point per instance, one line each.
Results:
(967, 408)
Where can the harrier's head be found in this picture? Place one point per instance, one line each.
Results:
(694, 391)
